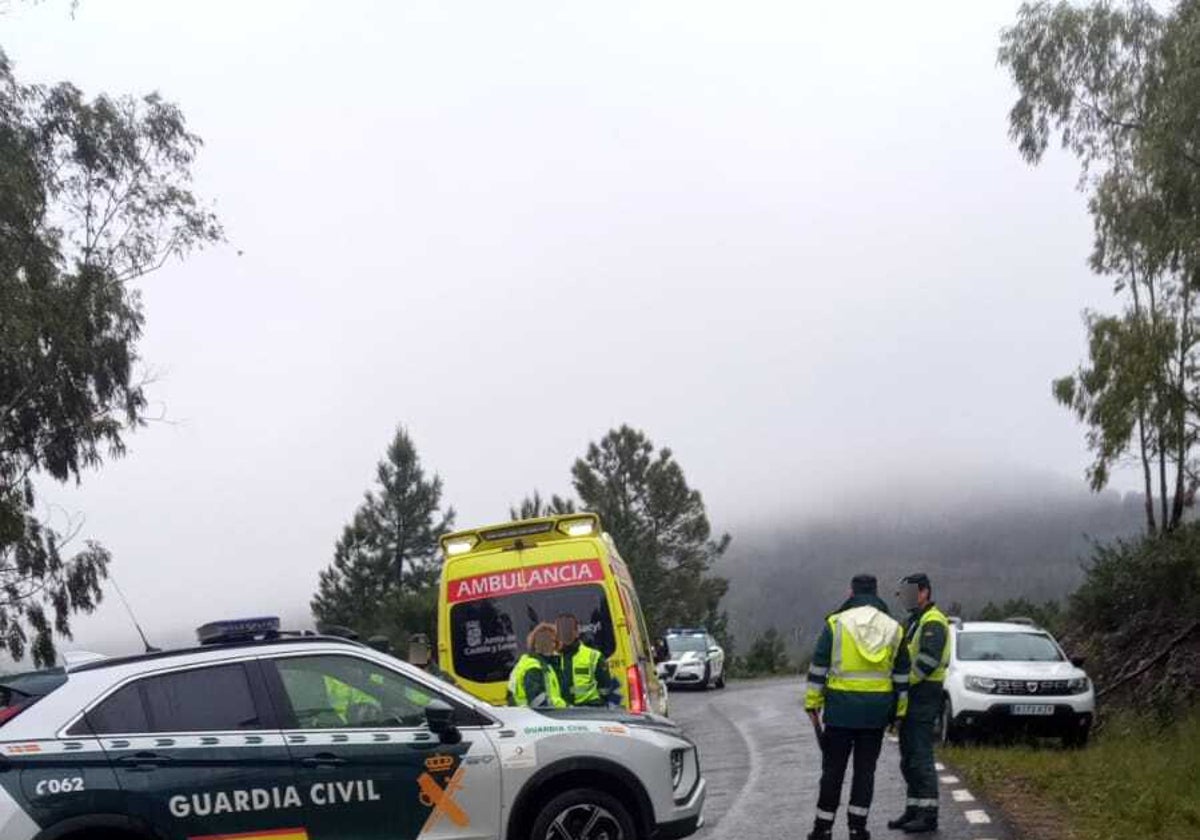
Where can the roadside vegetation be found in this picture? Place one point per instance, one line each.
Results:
(1138, 779)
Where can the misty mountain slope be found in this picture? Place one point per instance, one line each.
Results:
(976, 545)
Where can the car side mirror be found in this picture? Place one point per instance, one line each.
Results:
(439, 716)
(712, 651)
(1078, 661)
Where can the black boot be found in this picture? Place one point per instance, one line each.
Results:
(859, 833)
(925, 821)
(909, 813)
(822, 830)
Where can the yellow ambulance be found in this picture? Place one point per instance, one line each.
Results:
(498, 582)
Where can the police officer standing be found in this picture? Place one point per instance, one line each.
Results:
(858, 676)
(927, 640)
(533, 681)
(582, 672)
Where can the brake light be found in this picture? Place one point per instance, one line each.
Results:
(9, 712)
(637, 689)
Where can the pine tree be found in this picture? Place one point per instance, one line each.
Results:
(660, 526)
(534, 506)
(385, 567)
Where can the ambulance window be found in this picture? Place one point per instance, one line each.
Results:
(122, 712)
(201, 700)
(340, 692)
(487, 635)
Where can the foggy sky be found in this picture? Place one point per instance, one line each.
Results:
(791, 241)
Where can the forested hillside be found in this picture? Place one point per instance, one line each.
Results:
(980, 544)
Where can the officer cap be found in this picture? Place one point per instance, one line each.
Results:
(919, 578)
(864, 585)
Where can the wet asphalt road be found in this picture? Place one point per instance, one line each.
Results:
(760, 757)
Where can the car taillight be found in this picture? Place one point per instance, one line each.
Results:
(9, 712)
(637, 689)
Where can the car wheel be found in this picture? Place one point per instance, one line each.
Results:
(706, 683)
(721, 679)
(948, 733)
(583, 813)
(1076, 739)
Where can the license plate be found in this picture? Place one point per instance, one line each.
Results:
(1032, 709)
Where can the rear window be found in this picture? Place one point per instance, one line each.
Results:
(487, 636)
(198, 700)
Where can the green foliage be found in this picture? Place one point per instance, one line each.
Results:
(1119, 86)
(384, 574)
(660, 527)
(533, 507)
(1138, 598)
(767, 656)
(1128, 577)
(93, 194)
(1137, 779)
(1048, 614)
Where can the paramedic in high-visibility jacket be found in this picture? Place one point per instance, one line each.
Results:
(857, 683)
(583, 674)
(533, 681)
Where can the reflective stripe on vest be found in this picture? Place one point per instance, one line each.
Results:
(935, 616)
(849, 670)
(516, 683)
(584, 689)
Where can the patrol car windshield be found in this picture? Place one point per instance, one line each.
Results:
(684, 644)
(1007, 647)
(488, 635)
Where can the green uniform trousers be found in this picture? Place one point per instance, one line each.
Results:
(916, 744)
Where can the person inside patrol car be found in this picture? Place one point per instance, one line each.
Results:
(927, 640)
(857, 679)
(582, 672)
(533, 681)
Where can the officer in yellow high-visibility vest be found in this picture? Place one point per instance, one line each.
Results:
(583, 674)
(533, 681)
(927, 639)
(858, 677)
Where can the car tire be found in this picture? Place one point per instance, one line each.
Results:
(706, 683)
(1076, 739)
(948, 732)
(721, 679)
(578, 808)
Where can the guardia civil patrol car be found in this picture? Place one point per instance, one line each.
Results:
(260, 735)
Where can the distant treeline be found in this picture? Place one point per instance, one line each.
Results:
(977, 550)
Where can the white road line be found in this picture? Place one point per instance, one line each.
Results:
(939, 766)
(949, 780)
(977, 817)
(962, 795)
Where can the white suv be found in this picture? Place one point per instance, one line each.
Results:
(262, 736)
(693, 658)
(1013, 674)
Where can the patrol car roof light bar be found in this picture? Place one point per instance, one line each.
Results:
(238, 630)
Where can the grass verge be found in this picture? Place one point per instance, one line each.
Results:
(1136, 780)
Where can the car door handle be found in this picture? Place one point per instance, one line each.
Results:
(322, 760)
(143, 761)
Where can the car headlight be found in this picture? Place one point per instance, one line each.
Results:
(985, 685)
(677, 757)
(1078, 685)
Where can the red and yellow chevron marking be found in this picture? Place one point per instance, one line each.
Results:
(274, 834)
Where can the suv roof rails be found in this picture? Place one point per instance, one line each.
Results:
(1021, 619)
(166, 654)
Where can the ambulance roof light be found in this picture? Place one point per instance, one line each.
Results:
(459, 546)
(579, 527)
(238, 630)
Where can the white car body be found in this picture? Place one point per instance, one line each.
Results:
(693, 667)
(493, 773)
(1053, 698)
